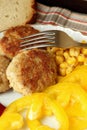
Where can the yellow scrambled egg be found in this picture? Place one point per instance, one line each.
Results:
(65, 103)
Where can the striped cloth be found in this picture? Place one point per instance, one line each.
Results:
(62, 17)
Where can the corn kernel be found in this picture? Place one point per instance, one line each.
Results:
(81, 58)
(59, 59)
(84, 51)
(59, 52)
(62, 72)
(71, 60)
(48, 49)
(66, 54)
(69, 70)
(74, 52)
(54, 49)
(63, 65)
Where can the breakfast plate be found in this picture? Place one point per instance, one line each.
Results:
(9, 96)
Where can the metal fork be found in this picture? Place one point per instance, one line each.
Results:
(50, 38)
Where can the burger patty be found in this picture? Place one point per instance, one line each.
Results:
(9, 47)
(20, 31)
(10, 42)
(4, 83)
(32, 71)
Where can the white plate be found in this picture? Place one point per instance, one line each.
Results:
(9, 96)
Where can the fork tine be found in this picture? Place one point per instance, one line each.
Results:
(36, 42)
(42, 39)
(39, 46)
(50, 38)
(38, 39)
(50, 33)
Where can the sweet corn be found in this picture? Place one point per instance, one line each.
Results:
(62, 71)
(74, 52)
(59, 59)
(71, 60)
(71, 57)
(63, 65)
(69, 70)
(81, 58)
(54, 49)
(59, 52)
(66, 54)
(84, 51)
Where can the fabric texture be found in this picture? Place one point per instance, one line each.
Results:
(62, 17)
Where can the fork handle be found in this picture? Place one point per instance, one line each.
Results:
(83, 45)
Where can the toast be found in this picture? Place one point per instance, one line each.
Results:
(16, 12)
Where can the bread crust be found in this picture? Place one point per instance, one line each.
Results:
(34, 16)
(19, 14)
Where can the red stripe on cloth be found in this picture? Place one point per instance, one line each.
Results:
(47, 22)
(76, 20)
(53, 13)
(72, 19)
(61, 17)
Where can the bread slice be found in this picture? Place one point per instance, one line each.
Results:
(16, 12)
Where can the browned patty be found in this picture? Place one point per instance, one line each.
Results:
(32, 71)
(4, 83)
(9, 47)
(10, 43)
(20, 31)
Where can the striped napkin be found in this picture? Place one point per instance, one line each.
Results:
(61, 17)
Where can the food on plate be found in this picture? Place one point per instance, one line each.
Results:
(79, 75)
(62, 106)
(20, 31)
(32, 71)
(16, 12)
(65, 93)
(9, 47)
(10, 42)
(37, 108)
(73, 98)
(4, 83)
(68, 59)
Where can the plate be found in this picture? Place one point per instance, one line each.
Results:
(9, 96)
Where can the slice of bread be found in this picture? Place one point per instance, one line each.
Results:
(16, 12)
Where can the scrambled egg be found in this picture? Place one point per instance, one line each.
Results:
(79, 75)
(64, 105)
(74, 101)
(36, 106)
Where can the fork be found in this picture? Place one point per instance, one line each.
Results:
(50, 38)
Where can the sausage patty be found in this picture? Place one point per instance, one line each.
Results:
(4, 83)
(10, 43)
(32, 71)
(20, 31)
